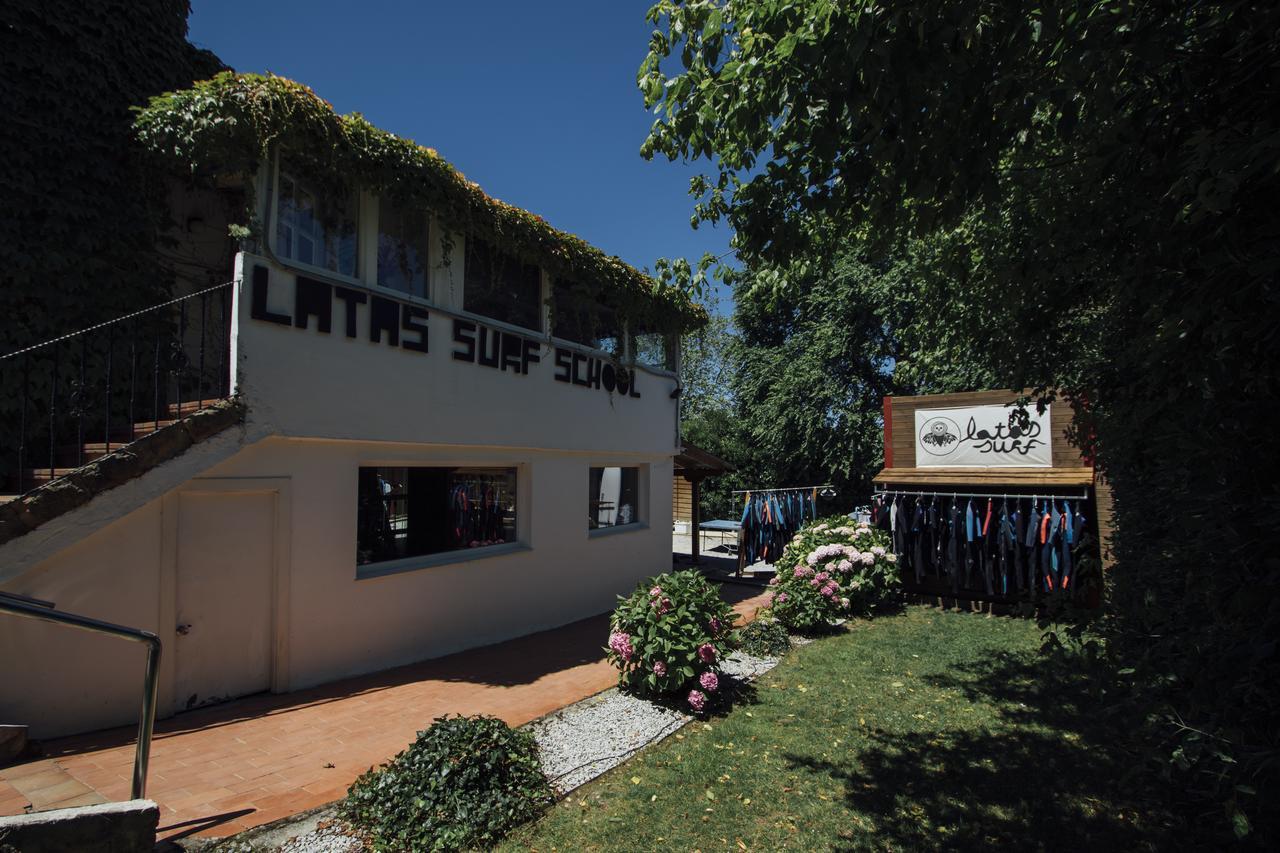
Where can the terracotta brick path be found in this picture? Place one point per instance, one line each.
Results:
(220, 770)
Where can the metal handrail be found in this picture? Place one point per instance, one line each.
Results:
(33, 608)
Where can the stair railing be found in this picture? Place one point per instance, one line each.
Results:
(34, 608)
(164, 361)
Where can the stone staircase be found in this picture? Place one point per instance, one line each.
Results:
(69, 458)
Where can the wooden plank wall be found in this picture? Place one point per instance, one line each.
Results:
(681, 499)
(1105, 508)
(902, 426)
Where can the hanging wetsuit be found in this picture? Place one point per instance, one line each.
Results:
(1067, 538)
(1007, 543)
(955, 535)
(917, 541)
(987, 555)
(933, 522)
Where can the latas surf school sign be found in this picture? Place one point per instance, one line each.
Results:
(983, 437)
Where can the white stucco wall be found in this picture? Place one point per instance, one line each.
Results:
(59, 680)
(331, 404)
(304, 382)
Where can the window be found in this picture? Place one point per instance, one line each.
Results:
(579, 318)
(414, 511)
(613, 498)
(654, 349)
(499, 286)
(315, 231)
(402, 249)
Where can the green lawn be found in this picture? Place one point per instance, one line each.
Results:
(920, 730)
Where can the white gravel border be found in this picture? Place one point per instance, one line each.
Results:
(577, 743)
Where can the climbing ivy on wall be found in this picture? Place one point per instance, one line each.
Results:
(229, 124)
(81, 214)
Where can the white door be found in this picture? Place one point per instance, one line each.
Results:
(224, 588)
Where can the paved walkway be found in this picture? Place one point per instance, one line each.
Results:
(219, 770)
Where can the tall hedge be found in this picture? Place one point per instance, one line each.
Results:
(80, 213)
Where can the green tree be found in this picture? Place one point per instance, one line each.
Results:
(1097, 183)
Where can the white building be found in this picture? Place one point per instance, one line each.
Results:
(435, 454)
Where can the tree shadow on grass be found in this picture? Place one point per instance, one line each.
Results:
(1047, 778)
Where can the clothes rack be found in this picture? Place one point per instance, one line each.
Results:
(987, 544)
(941, 493)
(787, 489)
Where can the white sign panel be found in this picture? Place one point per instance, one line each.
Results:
(983, 437)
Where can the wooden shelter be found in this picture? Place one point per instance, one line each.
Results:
(1069, 469)
(692, 466)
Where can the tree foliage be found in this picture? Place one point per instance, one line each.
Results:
(1094, 184)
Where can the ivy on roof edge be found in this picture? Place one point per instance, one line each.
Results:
(227, 124)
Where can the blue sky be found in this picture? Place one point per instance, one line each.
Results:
(536, 102)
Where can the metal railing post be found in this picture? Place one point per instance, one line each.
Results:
(33, 608)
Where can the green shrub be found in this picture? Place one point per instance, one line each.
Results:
(765, 638)
(463, 783)
(669, 636)
(831, 569)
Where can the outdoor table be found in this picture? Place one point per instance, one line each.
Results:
(723, 526)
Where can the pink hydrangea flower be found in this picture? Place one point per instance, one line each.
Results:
(715, 625)
(621, 644)
(709, 681)
(773, 581)
(659, 668)
(697, 700)
(844, 565)
(781, 597)
(868, 559)
(828, 591)
(877, 550)
(707, 653)
(815, 583)
(657, 590)
(822, 576)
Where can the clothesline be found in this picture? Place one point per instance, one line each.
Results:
(1082, 496)
(788, 489)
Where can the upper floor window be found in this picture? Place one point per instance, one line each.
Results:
(501, 287)
(655, 349)
(402, 248)
(578, 318)
(313, 230)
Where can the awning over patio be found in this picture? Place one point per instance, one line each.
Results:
(693, 463)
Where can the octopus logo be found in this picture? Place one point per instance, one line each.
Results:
(939, 436)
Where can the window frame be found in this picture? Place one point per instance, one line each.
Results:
(541, 330)
(641, 521)
(400, 565)
(375, 232)
(273, 226)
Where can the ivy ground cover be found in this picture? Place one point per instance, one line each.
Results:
(922, 730)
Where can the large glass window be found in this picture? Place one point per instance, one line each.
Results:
(654, 349)
(579, 318)
(613, 497)
(414, 511)
(402, 248)
(315, 231)
(502, 287)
